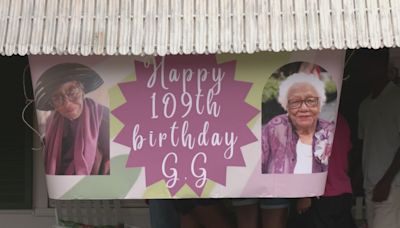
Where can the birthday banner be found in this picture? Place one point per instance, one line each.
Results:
(187, 126)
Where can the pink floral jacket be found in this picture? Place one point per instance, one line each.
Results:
(279, 140)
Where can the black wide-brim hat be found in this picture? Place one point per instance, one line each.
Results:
(59, 74)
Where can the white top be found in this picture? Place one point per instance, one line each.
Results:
(379, 127)
(304, 158)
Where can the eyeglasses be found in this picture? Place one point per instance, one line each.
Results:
(72, 94)
(310, 102)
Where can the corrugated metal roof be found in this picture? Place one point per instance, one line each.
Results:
(160, 27)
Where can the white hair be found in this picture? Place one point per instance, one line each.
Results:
(296, 78)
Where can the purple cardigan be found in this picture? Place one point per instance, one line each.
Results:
(279, 140)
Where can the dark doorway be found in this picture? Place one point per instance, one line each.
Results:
(16, 139)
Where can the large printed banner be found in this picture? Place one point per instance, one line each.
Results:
(207, 126)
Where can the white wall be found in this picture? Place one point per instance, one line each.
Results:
(41, 216)
(137, 217)
(22, 219)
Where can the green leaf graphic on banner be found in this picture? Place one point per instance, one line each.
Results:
(116, 185)
(266, 63)
(116, 99)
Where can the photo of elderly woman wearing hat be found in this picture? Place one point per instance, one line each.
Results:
(77, 130)
(299, 140)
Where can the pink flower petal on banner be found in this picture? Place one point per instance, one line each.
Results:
(185, 117)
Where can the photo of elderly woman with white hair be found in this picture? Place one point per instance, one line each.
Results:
(298, 141)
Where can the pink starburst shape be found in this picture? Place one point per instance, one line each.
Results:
(185, 120)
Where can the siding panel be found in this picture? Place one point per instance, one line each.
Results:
(161, 27)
